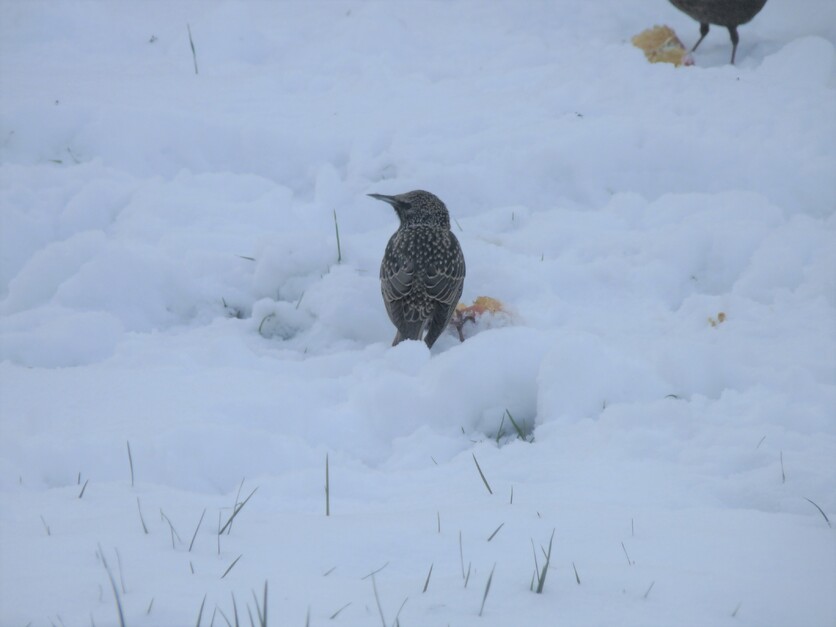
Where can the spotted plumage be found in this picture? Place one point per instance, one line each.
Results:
(728, 13)
(422, 272)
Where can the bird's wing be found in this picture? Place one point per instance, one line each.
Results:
(396, 280)
(445, 284)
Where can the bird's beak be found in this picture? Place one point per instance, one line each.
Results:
(388, 199)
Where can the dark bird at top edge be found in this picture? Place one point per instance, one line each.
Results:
(728, 13)
(422, 272)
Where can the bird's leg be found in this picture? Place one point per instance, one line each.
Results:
(734, 40)
(703, 32)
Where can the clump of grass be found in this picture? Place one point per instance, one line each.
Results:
(481, 474)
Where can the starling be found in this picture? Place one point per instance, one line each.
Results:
(422, 272)
(728, 13)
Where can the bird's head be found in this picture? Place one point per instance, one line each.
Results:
(418, 208)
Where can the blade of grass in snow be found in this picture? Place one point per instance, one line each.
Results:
(46, 526)
(238, 508)
(235, 561)
(262, 611)
(542, 579)
(337, 229)
(329, 571)
(141, 519)
(131, 463)
(327, 488)
(461, 552)
(487, 589)
(150, 605)
(243, 479)
(499, 431)
(374, 572)
(121, 576)
(234, 609)
(200, 613)
(191, 43)
(496, 531)
(516, 426)
(783, 474)
(467, 576)
(225, 617)
(427, 582)
(171, 529)
(191, 544)
(481, 474)
(629, 561)
(377, 600)
(397, 621)
(652, 583)
(113, 587)
(83, 488)
(577, 577)
(821, 511)
(337, 613)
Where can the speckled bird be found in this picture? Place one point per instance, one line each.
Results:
(728, 13)
(422, 272)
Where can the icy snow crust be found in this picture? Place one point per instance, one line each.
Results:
(169, 278)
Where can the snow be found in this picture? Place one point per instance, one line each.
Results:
(663, 239)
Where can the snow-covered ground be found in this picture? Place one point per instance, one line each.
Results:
(663, 240)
